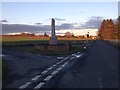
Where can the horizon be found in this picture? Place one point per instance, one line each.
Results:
(35, 17)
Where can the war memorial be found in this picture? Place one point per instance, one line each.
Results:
(53, 45)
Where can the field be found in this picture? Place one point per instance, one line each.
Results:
(24, 40)
(26, 44)
(6, 38)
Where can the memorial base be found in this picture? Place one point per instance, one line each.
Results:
(53, 40)
(57, 48)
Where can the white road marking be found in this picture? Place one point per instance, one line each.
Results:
(59, 58)
(85, 47)
(25, 85)
(36, 77)
(66, 58)
(48, 78)
(61, 61)
(50, 68)
(58, 63)
(39, 85)
(54, 72)
(28, 83)
(44, 72)
(72, 58)
(1, 55)
(54, 65)
(78, 52)
(79, 55)
(66, 63)
(73, 54)
(63, 65)
(59, 69)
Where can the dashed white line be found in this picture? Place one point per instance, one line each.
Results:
(36, 77)
(73, 54)
(78, 52)
(66, 63)
(25, 85)
(44, 72)
(54, 65)
(63, 65)
(79, 55)
(59, 69)
(66, 58)
(39, 85)
(54, 72)
(48, 78)
(72, 58)
(50, 68)
(61, 61)
(58, 63)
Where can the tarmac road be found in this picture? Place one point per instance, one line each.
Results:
(23, 66)
(98, 70)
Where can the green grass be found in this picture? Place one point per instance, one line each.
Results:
(6, 39)
(34, 42)
(113, 43)
(28, 46)
(22, 43)
(4, 70)
(31, 49)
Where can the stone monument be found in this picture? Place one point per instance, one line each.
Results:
(53, 45)
(53, 38)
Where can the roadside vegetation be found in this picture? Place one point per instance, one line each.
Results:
(114, 43)
(110, 32)
(4, 70)
(29, 46)
(26, 43)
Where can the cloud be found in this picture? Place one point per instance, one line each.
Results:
(114, 20)
(3, 21)
(93, 22)
(12, 28)
(59, 19)
(37, 23)
(64, 26)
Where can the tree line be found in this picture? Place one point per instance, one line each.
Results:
(109, 30)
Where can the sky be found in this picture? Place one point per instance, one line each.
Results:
(69, 16)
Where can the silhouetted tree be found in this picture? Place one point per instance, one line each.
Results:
(88, 35)
(117, 29)
(106, 29)
(45, 35)
(68, 34)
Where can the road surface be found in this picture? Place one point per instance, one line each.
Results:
(95, 67)
(98, 70)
